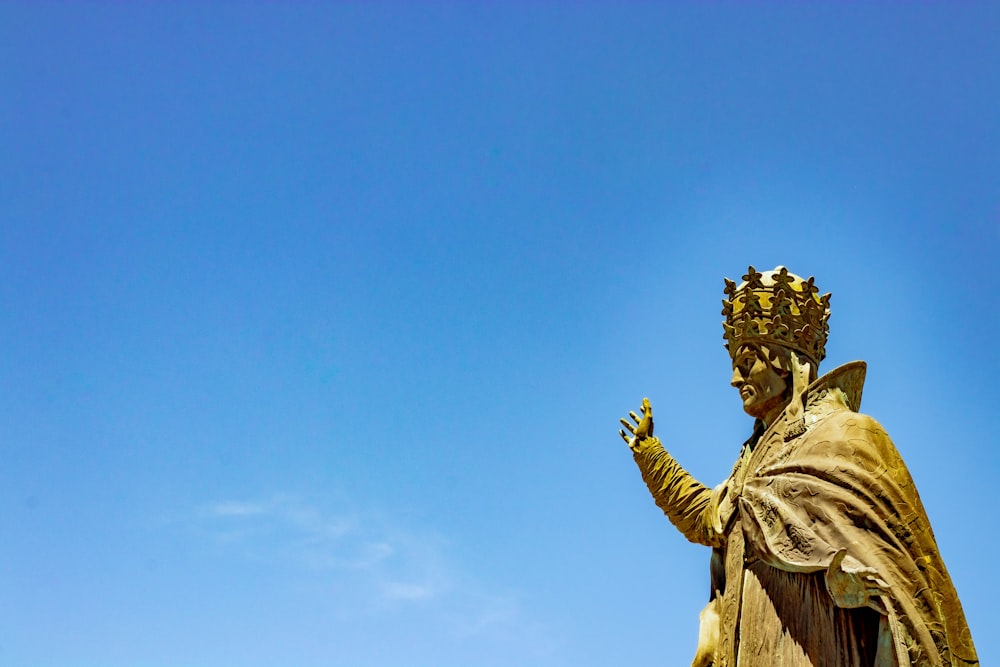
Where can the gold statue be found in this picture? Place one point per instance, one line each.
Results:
(822, 554)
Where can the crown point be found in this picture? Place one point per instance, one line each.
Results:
(753, 277)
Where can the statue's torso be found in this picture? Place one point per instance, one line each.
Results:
(770, 617)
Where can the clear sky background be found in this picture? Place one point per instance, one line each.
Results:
(317, 319)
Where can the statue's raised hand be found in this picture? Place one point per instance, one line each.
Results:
(642, 429)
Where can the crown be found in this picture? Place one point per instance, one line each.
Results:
(776, 307)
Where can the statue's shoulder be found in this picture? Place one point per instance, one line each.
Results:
(833, 401)
(857, 424)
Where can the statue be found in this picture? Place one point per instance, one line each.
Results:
(822, 554)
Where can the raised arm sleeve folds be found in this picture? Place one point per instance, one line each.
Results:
(687, 502)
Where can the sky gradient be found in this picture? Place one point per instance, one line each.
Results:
(318, 319)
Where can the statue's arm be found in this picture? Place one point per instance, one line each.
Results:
(687, 502)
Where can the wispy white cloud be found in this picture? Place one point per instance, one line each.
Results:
(397, 590)
(283, 511)
(371, 565)
(233, 508)
(294, 534)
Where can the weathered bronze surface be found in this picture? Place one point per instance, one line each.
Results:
(822, 554)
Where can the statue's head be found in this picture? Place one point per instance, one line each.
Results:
(775, 330)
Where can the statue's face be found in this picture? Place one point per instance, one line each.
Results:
(762, 387)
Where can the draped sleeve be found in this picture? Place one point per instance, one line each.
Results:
(690, 505)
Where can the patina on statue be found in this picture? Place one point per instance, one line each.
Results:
(822, 554)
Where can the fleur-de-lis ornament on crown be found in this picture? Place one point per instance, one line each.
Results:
(776, 307)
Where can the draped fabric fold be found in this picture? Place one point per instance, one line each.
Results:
(780, 520)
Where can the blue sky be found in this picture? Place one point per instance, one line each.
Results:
(318, 319)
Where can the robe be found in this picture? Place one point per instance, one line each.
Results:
(822, 482)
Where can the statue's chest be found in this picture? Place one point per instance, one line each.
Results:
(770, 449)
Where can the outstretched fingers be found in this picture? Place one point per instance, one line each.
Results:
(640, 427)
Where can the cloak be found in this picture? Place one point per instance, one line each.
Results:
(819, 491)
